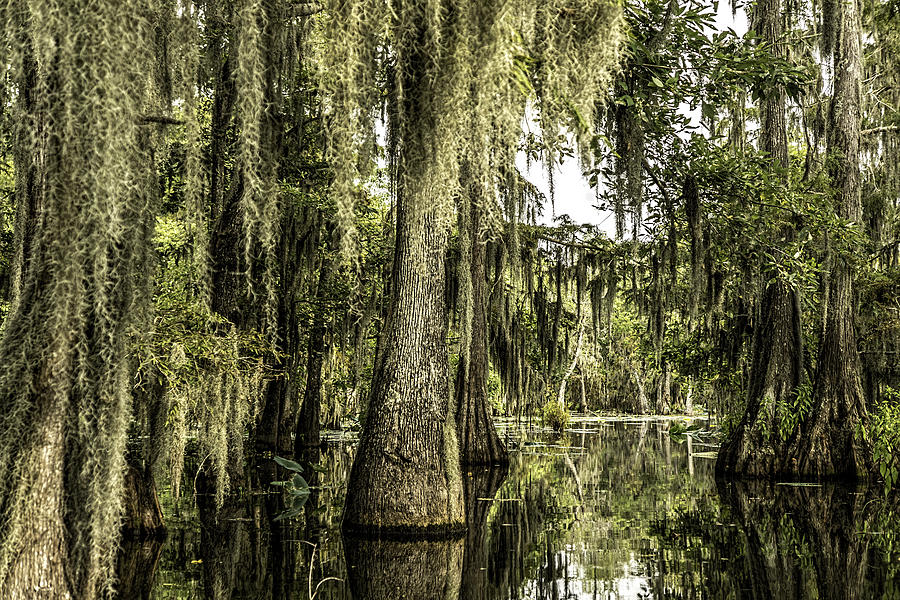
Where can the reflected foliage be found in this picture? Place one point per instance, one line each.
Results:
(613, 508)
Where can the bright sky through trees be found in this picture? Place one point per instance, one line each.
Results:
(574, 195)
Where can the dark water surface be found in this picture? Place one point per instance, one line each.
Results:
(613, 509)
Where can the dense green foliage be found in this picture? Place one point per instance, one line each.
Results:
(198, 224)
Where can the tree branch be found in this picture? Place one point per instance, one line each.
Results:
(578, 245)
(307, 9)
(881, 129)
(147, 119)
(658, 183)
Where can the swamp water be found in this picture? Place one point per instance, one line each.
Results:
(612, 509)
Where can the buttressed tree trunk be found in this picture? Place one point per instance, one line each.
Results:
(406, 474)
(755, 448)
(829, 445)
(65, 355)
(478, 439)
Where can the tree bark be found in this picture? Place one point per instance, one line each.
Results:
(307, 431)
(406, 474)
(478, 439)
(67, 346)
(38, 570)
(26, 159)
(829, 444)
(143, 515)
(756, 448)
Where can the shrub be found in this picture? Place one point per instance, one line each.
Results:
(555, 415)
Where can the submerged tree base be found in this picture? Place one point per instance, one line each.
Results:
(143, 514)
(405, 533)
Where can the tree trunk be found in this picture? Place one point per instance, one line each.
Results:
(26, 158)
(829, 445)
(561, 397)
(277, 423)
(664, 391)
(228, 297)
(478, 439)
(39, 569)
(756, 447)
(583, 397)
(67, 346)
(143, 515)
(307, 431)
(406, 474)
(642, 403)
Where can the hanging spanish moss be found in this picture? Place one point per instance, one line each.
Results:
(477, 114)
(66, 368)
(692, 209)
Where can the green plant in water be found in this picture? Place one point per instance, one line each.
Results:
(554, 415)
(297, 488)
(679, 431)
(884, 433)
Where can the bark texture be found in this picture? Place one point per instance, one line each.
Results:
(38, 571)
(829, 445)
(756, 448)
(406, 474)
(28, 172)
(143, 515)
(478, 439)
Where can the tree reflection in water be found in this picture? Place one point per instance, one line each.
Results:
(791, 541)
(613, 510)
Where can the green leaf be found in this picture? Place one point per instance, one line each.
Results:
(300, 483)
(288, 464)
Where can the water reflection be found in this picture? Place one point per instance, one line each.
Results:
(395, 570)
(612, 509)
